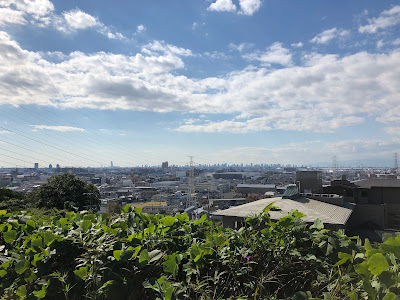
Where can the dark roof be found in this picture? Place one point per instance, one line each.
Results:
(368, 183)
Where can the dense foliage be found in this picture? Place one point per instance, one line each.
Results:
(65, 191)
(11, 200)
(139, 256)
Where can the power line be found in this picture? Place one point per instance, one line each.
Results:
(20, 134)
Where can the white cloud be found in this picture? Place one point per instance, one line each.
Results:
(393, 130)
(5, 132)
(396, 42)
(161, 46)
(37, 8)
(380, 44)
(216, 55)
(249, 7)
(222, 5)
(275, 54)
(78, 19)
(57, 128)
(297, 45)
(388, 18)
(41, 13)
(326, 92)
(241, 47)
(328, 35)
(11, 16)
(140, 28)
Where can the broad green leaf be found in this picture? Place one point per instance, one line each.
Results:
(377, 263)
(367, 245)
(117, 254)
(392, 245)
(155, 255)
(353, 296)
(197, 258)
(40, 294)
(201, 220)
(387, 279)
(10, 236)
(286, 221)
(127, 254)
(268, 207)
(31, 223)
(21, 266)
(317, 224)
(168, 220)
(86, 225)
(36, 242)
(362, 269)
(82, 272)
(2, 212)
(31, 277)
(3, 273)
(389, 296)
(21, 291)
(63, 221)
(168, 290)
(298, 214)
(144, 256)
(327, 296)
(344, 258)
(49, 237)
(171, 265)
(127, 208)
(37, 257)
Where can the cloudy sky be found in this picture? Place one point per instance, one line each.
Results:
(87, 82)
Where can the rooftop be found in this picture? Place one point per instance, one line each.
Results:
(313, 209)
(374, 182)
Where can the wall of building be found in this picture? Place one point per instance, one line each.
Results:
(309, 180)
(368, 214)
(379, 195)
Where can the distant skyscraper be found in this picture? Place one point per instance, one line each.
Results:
(50, 166)
(164, 165)
(36, 166)
(112, 165)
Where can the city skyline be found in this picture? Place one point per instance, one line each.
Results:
(227, 81)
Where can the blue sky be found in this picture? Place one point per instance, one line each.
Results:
(83, 83)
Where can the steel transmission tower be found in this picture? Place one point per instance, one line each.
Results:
(191, 183)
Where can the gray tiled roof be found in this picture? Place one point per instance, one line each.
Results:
(313, 209)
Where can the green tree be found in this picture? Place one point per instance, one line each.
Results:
(65, 191)
(11, 200)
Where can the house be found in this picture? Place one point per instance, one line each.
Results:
(334, 217)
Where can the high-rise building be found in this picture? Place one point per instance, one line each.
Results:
(164, 165)
(50, 166)
(112, 165)
(36, 166)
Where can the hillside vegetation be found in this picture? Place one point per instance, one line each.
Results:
(139, 256)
